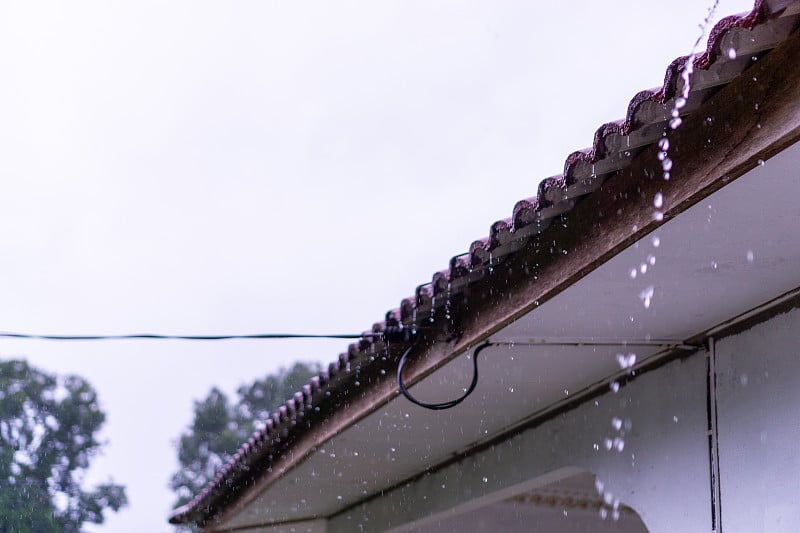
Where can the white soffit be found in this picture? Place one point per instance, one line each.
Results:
(738, 248)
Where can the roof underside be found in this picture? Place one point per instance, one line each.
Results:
(360, 372)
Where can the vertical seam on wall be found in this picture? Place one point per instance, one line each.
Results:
(713, 439)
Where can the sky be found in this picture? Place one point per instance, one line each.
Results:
(197, 167)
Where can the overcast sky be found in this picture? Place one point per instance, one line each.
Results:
(196, 167)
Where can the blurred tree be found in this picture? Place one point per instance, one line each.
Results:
(220, 427)
(47, 438)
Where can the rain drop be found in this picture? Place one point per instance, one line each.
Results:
(614, 386)
(616, 423)
(675, 123)
(658, 216)
(626, 361)
(656, 241)
(731, 53)
(646, 296)
(750, 256)
(599, 485)
(664, 144)
(608, 443)
(643, 268)
(632, 273)
(651, 259)
(666, 164)
(761, 162)
(485, 479)
(658, 200)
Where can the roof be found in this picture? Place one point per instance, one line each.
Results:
(445, 307)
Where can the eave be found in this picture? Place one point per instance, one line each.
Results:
(602, 203)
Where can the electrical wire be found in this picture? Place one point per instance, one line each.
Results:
(12, 335)
(443, 405)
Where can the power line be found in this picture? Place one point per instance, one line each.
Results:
(255, 336)
(389, 334)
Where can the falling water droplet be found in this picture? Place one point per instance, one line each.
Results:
(643, 268)
(599, 486)
(447, 303)
(608, 443)
(663, 144)
(656, 241)
(614, 386)
(485, 479)
(750, 256)
(761, 162)
(646, 296)
(658, 200)
(626, 361)
(616, 423)
(675, 123)
(651, 259)
(666, 164)
(731, 53)
(596, 446)
(658, 216)
(632, 273)
(603, 513)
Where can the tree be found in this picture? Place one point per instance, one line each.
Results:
(48, 427)
(220, 428)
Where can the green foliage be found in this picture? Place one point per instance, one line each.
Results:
(47, 438)
(220, 427)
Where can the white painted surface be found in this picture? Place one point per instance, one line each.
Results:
(759, 427)
(662, 472)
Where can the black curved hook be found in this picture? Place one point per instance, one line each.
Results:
(443, 405)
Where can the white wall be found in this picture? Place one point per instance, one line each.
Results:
(662, 472)
(758, 380)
